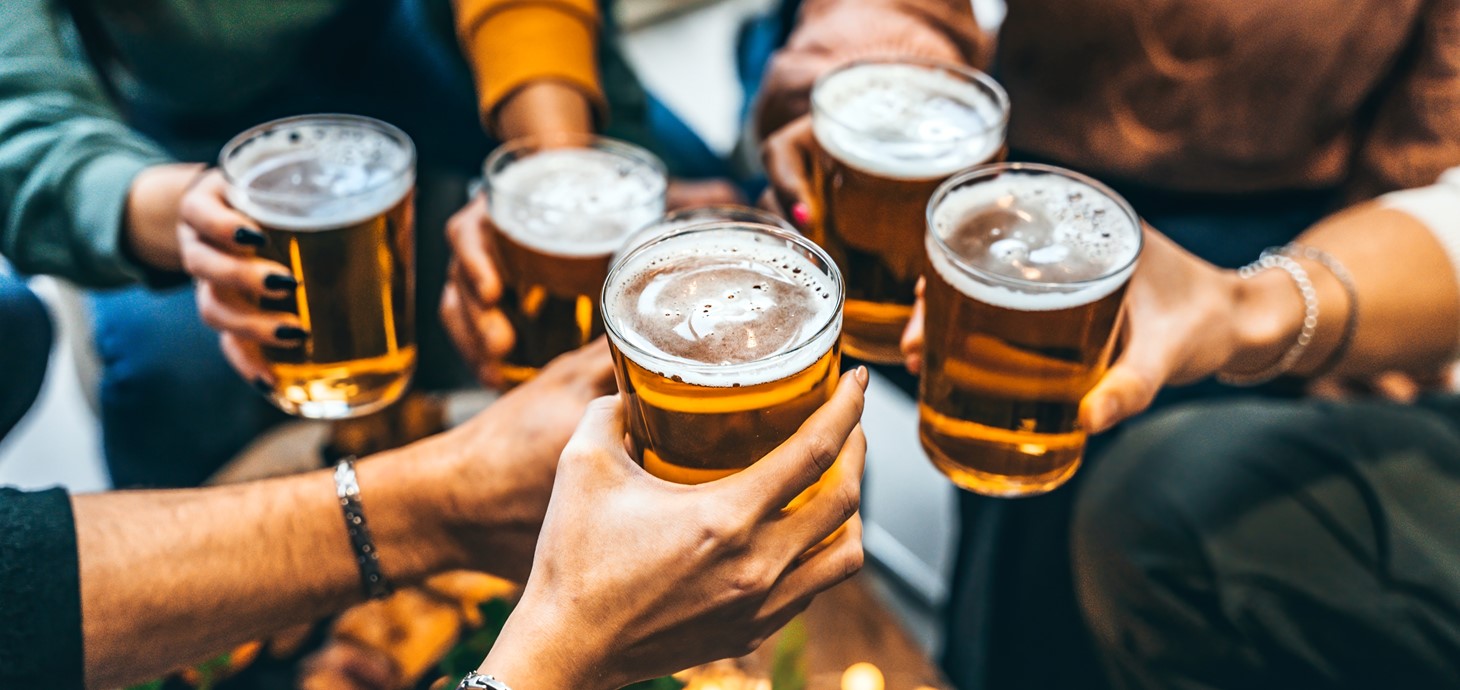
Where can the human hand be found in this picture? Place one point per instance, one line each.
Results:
(788, 155)
(1185, 319)
(218, 247)
(497, 469)
(636, 577)
(469, 304)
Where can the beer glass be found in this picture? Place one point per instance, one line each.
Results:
(333, 195)
(725, 340)
(560, 209)
(889, 133)
(1028, 266)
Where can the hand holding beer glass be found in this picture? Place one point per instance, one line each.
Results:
(1028, 271)
(304, 245)
(882, 135)
(560, 208)
(725, 337)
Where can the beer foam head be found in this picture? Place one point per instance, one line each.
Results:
(575, 201)
(1036, 240)
(318, 172)
(723, 306)
(908, 121)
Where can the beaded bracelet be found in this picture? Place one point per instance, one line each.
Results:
(1345, 279)
(1310, 319)
(367, 557)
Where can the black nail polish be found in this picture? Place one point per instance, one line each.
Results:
(279, 281)
(249, 237)
(290, 333)
(263, 387)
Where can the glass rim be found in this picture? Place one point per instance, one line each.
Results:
(342, 120)
(994, 170)
(970, 75)
(726, 213)
(492, 166)
(639, 356)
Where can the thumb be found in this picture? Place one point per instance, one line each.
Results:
(599, 438)
(1126, 390)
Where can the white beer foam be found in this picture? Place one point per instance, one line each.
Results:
(743, 327)
(906, 121)
(304, 184)
(1087, 230)
(576, 201)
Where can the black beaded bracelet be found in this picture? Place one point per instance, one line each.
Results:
(367, 557)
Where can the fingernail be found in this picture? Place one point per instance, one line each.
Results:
(263, 387)
(862, 376)
(249, 237)
(801, 213)
(290, 333)
(279, 281)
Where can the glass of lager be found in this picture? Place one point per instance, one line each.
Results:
(560, 209)
(1028, 270)
(889, 133)
(334, 196)
(725, 337)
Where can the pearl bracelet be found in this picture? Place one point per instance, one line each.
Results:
(1305, 335)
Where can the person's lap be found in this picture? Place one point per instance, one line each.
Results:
(1265, 544)
(25, 349)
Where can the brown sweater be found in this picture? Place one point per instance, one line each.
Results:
(1225, 96)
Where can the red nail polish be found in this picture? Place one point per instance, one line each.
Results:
(801, 214)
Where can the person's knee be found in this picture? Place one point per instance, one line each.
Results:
(1144, 579)
(25, 349)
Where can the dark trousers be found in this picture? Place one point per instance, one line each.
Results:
(1260, 544)
(25, 349)
(1013, 621)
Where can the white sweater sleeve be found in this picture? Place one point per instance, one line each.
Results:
(1438, 207)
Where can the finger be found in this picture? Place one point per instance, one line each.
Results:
(912, 336)
(458, 324)
(206, 210)
(471, 241)
(1397, 387)
(787, 162)
(799, 462)
(492, 329)
(248, 360)
(837, 499)
(229, 312)
(599, 438)
(247, 275)
(1129, 386)
(827, 568)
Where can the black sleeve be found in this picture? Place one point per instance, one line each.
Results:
(40, 592)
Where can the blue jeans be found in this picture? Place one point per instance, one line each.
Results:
(25, 349)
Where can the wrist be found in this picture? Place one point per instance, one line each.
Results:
(544, 108)
(401, 494)
(536, 652)
(149, 226)
(1267, 317)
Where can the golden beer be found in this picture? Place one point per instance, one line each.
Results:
(560, 209)
(333, 195)
(1028, 270)
(889, 133)
(725, 338)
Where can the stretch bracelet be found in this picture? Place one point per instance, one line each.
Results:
(1351, 288)
(367, 557)
(1305, 335)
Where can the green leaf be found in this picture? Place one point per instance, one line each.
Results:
(788, 665)
(153, 685)
(665, 683)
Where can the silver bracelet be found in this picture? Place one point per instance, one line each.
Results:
(1310, 319)
(367, 557)
(481, 681)
(1351, 288)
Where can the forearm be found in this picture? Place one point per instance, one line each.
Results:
(172, 577)
(1407, 310)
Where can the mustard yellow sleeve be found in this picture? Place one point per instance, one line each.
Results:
(512, 43)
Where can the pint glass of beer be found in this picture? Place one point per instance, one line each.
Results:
(333, 195)
(561, 208)
(889, 133)
(1028, 269)
(725, 337)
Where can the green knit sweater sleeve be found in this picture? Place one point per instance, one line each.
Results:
(67, 160)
